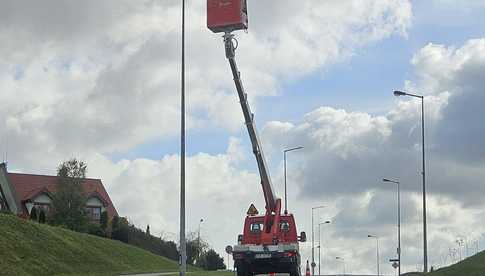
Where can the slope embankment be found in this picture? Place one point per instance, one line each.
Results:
(29, 248)
(472, 266)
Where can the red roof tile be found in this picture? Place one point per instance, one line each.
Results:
(28, 186)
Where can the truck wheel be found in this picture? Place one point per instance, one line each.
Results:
(243, 271)
(296, 272)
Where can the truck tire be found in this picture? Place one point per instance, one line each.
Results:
(243, 271)
(295, 272)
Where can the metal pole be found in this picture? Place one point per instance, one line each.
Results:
(320, 245)
(377, 253)
(313, 240)
(398, 220)
(313, 247)
(198, 241)
(425, 238)
(399, 226)
(378, 268)
(286, 200)
(284, 157)
(319, 249)
(183, 250)
(343, 262)
(198, 244)
(425, 234)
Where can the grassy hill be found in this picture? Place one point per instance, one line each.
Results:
(28, 248)
(472, 266)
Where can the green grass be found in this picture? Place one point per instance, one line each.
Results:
(472, 266)
(28, 248)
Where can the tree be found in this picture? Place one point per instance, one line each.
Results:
(121, 229)
(95, 229)
(69, 200)
(195, 248)
(115, 222)
(210, 260)
(33, 214)
(148, 230)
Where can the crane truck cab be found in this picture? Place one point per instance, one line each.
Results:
(270, 247)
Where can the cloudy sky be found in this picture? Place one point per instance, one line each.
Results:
(100, 81)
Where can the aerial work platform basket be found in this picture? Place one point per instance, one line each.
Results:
(227, 15)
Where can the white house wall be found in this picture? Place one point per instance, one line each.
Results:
(95, 202)
(43, 199)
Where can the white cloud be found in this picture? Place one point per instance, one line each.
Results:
(348, 153)
(106, 75)
(89, 79)
(147, 191)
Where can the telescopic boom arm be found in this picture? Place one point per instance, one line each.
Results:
(269, 195)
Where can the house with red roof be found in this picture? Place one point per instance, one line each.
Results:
(20, 193)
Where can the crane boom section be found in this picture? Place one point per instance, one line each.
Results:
(269, 195)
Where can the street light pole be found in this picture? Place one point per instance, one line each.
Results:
(284, 157)
(398, 221)
(183, 248)
(377, 240)
(198, 241)
(425, 234)
(313, 240)
(320, 246)
(343, 262)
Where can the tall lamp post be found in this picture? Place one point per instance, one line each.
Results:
(284, 157)
(425, 239)
(377, 254)
(183, 246)
(313, 240)
(198, 240)
(398, 221)
(343, 262)
(320, 245)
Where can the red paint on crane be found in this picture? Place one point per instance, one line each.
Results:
(227, 15)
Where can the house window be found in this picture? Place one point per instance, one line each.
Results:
(94, 213)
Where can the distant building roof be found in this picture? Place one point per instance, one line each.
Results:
(29, 186)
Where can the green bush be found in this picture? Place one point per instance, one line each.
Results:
(121, 229)
(156, 245)
(6, 212)
(95, 229)
(124, 232)
(210, 260)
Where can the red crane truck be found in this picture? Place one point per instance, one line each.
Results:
(269, 243)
